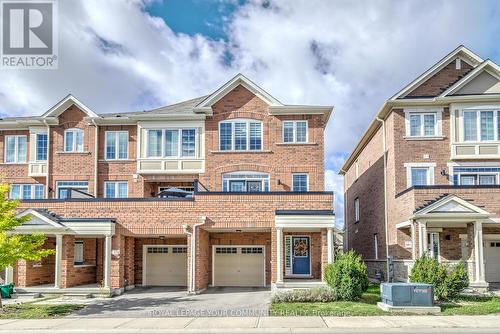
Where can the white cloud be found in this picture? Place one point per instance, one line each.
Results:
(353, 54)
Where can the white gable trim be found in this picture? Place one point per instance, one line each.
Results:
(39, 216)
(462, 52)
(468, 207)
(65, 103)
(487, 66)
(205, 105)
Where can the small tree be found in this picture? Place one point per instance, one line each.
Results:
(14, 247)
(347, 276)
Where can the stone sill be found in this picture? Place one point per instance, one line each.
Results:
(240, 152)
(296, 144)
(79, 153)
(117, 161)
(83, 265)
(424, 138)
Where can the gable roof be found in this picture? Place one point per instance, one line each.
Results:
(65, 103)
(487, 66)
(460, 52)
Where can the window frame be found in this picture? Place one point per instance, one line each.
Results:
(247, 122)
(478, 112)
(78, 244)
(293, 182)
(422, 112)
(179, 143)
(116, 188)
(431, 166)
(434, 238)
(16, 149)
(375, 245)
(58, 186)
(37, 146)
(33, 187)
(294, 133)
(264, 179)
(421, 132)
(74, 148)
(357, 211)
(117, 143)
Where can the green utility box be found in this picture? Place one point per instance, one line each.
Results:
(7, 290)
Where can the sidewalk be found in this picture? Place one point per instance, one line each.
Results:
(386, 324)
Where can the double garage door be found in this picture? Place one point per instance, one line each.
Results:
(165, 265)
(239, 266)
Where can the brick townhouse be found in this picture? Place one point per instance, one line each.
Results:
(222, 190)
(425, 176)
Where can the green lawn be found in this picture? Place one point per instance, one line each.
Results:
(367, 306)
(37, 311)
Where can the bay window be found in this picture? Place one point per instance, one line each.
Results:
(294, 131)
(73, 140)
(15, 149)
(116, 145)
(26, 191)
(169, 143)
(481, 125)
(240, 135)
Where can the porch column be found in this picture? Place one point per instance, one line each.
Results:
(478, 251)
(422, 238)
(9, 275)
(107, 262)
(279, 255)
(329, 242)
(58, 266)
(413, 240)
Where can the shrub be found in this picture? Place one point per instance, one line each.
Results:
(321, 294)
(447, 281)
(347, 276)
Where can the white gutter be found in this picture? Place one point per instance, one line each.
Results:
(96, 150)
(385, 195)
(192, 283)
(48, 160)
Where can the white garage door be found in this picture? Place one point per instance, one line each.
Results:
(165, 265)
(239, 266)
(492, 260)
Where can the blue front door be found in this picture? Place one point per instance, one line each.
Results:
(301, 256)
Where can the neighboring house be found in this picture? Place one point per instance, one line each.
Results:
(221, 190)
(437, 188)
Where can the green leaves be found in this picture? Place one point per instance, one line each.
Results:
(347, 276)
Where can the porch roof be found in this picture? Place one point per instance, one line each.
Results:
(305, 219)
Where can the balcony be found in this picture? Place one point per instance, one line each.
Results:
(37, 169)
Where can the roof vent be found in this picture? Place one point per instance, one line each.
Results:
(458, 64)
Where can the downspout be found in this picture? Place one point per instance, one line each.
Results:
(386, 218)
(47, 186)
(192, 285)
(96, 150)
(345, 241)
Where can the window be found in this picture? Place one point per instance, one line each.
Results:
(423, 124)
(157, 250)
(26, 191)
(116, 145)
(433, 245)
(179, 250)
(295, 131)
(375, 245)
(15, 149)
(240, 135)
(300, 182)
(41, 146)
(472, 176)
(245, 182)
(171, 143)
(63, 187)
(79, 259)
(356, 210)
(419, 176)
(73, 140)
(480, 125)
(116, 189)
(226, 250)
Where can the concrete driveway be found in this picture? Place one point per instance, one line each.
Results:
(175, 302)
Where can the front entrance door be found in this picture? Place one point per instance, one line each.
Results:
(301, 256)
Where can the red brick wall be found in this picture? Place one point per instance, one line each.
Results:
(31, 273)
(279, 160)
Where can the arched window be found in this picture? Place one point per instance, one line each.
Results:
(245, 182)
(240, 135)
(73, 140)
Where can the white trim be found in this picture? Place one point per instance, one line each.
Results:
(144, 262)
(117, 143)
(445, 200)
(117, 188)
(16, 149)
(357, 211)
(64, 104)
(375, 245)
(402, 225)
(298, 174)
(74, 146)
(465, 54)
(422, 111)
(430, 171)
(294, 131)
(179, 144)
(247, 121)
(495, 72)
(305, 222)
(238, 246)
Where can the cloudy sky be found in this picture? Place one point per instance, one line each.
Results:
(128, 55)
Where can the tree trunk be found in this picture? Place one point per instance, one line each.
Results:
(1, 305)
